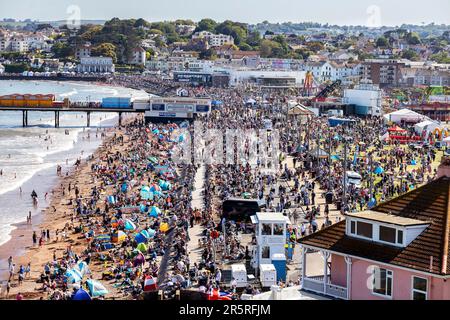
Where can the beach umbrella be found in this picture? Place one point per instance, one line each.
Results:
(150, 284)
(142, 247)
(73, 276)
(129, 225)
(96, 289)
(81, 295)
(378, 170)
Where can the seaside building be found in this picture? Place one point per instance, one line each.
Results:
(139, 57)
(383, 72)
(214, 40)
(395, 251)
(83, 51)
(96, 65)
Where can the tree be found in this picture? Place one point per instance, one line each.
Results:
(245, 47)
(271, 49)
(382, 42)
(254, 38)
(410, 55)
(441, 57)
(413, 38)
(206, 25)
(16, 68)
(106, 50)
(62, 50)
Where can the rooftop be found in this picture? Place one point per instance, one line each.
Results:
(428, 252)
(387, 218)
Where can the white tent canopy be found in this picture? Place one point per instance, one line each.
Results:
(404, 114)
(427, 126)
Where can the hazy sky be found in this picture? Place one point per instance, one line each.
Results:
(355, 12)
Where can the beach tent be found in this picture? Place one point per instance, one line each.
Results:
(140, 238)
(103, 238)
(150, 284)
(164, 227)
(151, 233)
(119, 236)
(111, 200)
(81, 295)
(335, 158)
(413, 162)
(83, 268)
(124, 187)
(114, 223)
(165, 185)
(142, 247)
(155, 188)
(250, 101)
(96, 289)
(144, 208)
(446, 140)
(404, 115)
(378, 170)
(73, 276)
(129, 225)
(155, 131)
(146, 194)
(153, 159)
(155, 212)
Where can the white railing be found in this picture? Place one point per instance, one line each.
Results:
(315, 285)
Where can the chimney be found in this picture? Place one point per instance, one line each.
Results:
(444, 168)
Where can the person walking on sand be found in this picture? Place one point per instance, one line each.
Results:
(8, 288)
(28, 270)
(34, 238)
(10, 261)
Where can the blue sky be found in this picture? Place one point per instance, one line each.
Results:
(361, 12)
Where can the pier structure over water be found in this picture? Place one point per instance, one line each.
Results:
(58, 110)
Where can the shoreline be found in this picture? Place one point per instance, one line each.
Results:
(20, 236)
(20, 245)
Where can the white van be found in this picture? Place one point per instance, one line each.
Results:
(353, 178)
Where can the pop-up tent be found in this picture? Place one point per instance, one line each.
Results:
(150, 284)
(427, 126)
(81, 295)
(142, 247)
(155, 212)
(119, 236)
(129, 225)
(96, 289)
(73, 276)
(82, 267)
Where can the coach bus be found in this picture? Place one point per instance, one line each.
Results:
(177, 108)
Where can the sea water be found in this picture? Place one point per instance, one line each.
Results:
(29, 156)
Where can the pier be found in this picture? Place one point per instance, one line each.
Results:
(58, 110)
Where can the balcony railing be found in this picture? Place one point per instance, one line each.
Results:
(316, 284)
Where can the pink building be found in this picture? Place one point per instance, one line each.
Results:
(398, 250)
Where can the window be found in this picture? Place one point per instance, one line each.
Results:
(399, 236)
(382, 282)
(388, 234)
(265, 252)
(266, 229)
(352, 227)
(419, 288)
(364, 229)
(278, 229)
(158, 107)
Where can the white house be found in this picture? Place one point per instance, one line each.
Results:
(321, 70)
(2, 69)
(214, 40)
(96, 65)
(139, 57)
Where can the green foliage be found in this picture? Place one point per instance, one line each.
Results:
(410, 55)
(16, 68)
(106, 50)
(441, 57)
(62, 50)
(382, 42)
(413, 38)
(206, 25)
